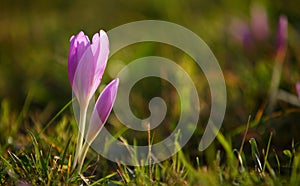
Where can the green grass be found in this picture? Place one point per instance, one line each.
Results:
(40, 157)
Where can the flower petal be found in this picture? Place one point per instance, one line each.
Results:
(100, 49)
(78, 45)
(102, 109)
(83, 81)
(90, 67)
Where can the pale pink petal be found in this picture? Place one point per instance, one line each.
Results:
(100, 48)
(104, 51)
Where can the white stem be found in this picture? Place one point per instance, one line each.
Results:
(83, 154)
(85, 148)
(82, 122)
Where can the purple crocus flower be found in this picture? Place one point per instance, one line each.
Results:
(281, 39)
(241, 33)
(259, 22)
(86, 64)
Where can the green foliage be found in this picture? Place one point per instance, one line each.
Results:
(47, 159)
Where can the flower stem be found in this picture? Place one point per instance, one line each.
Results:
(82, 122)
(83, 154)
(275, 82)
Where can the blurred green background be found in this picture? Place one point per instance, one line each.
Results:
(34, 44)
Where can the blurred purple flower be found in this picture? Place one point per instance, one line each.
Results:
(259, 22)
(86, 64)
(247, 38)
(281, 39)
(298, 89)
(239, 30)
(247, 34)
